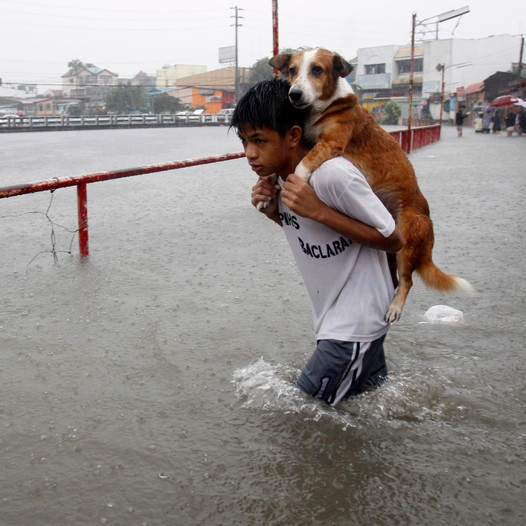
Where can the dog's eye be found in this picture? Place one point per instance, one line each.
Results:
(317, 71)
(292, 71)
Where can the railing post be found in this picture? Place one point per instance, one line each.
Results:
(82, 205)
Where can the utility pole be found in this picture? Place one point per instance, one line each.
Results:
(411, 76)
(520, 58)
(236, 25)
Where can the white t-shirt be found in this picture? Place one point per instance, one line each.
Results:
(350, 285)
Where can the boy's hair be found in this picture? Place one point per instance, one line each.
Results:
(267, 105)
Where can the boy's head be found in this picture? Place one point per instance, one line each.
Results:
(267, 105)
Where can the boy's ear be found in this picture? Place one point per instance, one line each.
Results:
(294, 135)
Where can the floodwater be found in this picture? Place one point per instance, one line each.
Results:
(151, 383)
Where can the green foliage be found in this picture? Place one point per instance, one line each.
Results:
(165, 103)
(75, 64)
(74, 110)
(260, 71)
(125, 99)
(392, 112)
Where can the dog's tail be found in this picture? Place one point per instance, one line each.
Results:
(433, 277)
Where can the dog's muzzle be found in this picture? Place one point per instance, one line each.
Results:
(296, 96)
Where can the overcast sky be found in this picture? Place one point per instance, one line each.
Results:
(39, 37)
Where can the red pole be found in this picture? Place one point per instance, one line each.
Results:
(275, 42)
(82, 206)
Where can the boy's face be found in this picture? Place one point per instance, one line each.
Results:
(266, 151)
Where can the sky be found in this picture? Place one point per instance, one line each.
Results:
(39, 37)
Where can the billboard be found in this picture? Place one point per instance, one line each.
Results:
(227, 54)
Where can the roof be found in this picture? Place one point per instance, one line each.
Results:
(474, 88)
(224, 78)
(94, 70)
(405, 52)
(7, 92)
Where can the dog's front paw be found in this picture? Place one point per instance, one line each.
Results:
(262, 205)
(302, 171)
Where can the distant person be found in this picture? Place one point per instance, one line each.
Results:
(510, 122)
(486, 121)
(478, 123)
(459, 119)
(521, 117)
(496, 119)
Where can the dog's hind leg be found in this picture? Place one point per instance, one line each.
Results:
(405, 282)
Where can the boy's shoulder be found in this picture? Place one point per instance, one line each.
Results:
(338, 167)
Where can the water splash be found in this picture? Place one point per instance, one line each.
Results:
(405, 397)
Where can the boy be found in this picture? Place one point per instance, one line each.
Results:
(338, 231)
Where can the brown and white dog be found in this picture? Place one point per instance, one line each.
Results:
(338, 125)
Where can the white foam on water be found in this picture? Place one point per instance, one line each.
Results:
(270, 387)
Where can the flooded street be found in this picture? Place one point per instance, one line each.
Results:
(151, 383)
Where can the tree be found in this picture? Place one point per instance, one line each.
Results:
(125, 99)
(76, 65)
(392, 112)
(262, 70)
(165, 103)
(74, 110)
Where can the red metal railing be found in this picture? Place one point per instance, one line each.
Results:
(416, 138)
(81, 182)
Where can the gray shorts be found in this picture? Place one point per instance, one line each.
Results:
(339, 369)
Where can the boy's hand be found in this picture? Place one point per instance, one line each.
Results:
(300, 197)
(266, 190)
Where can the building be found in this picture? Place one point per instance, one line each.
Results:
(47, 106)
(81, 78)
(11, 99)
(140, 79)
(168, 76)
(213, 90)
(383, 72)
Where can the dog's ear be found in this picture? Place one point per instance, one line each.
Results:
(341, 67)
(281, 63)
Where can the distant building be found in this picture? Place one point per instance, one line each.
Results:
(383, 72)
(143, 79)
(213, 90)
(49, 107)
(11, 98)
(88, 83)
(140, 79)
(168, 76)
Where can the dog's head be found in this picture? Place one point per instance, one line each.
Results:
(313, 74)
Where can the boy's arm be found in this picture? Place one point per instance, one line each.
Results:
(266, 190)
(301, 198)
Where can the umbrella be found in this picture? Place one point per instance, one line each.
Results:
(520, 102)
(505, 100)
